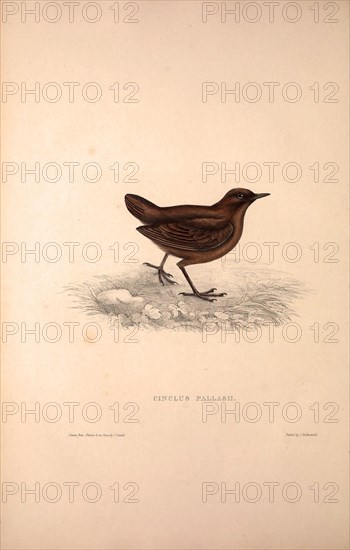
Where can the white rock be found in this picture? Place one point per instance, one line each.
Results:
(113, 296)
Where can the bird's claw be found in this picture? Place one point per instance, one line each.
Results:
(161, 274)
(211, 290)
(202, 295)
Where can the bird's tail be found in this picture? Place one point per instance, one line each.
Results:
(141, 208)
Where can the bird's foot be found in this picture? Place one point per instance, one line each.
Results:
(162, 275)
(207, 295)
(211, 290)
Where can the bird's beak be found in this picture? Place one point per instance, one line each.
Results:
(261, 195)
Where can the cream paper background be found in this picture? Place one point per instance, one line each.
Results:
(169, 133)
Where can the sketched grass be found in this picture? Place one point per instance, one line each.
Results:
(253, 298)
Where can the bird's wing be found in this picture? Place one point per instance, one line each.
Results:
(201, 217)
(186, 237)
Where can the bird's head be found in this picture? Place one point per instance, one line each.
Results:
(242, 198)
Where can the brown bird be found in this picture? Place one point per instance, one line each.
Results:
(197, 234)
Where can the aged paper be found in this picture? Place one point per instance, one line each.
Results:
(133, 416)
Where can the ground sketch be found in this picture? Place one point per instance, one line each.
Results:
(254, 298)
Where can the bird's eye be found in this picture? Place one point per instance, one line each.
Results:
(240, 196)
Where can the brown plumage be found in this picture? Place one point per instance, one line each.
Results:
(196, 234)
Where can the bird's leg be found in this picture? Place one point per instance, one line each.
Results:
(161, 273)
(208, 295)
